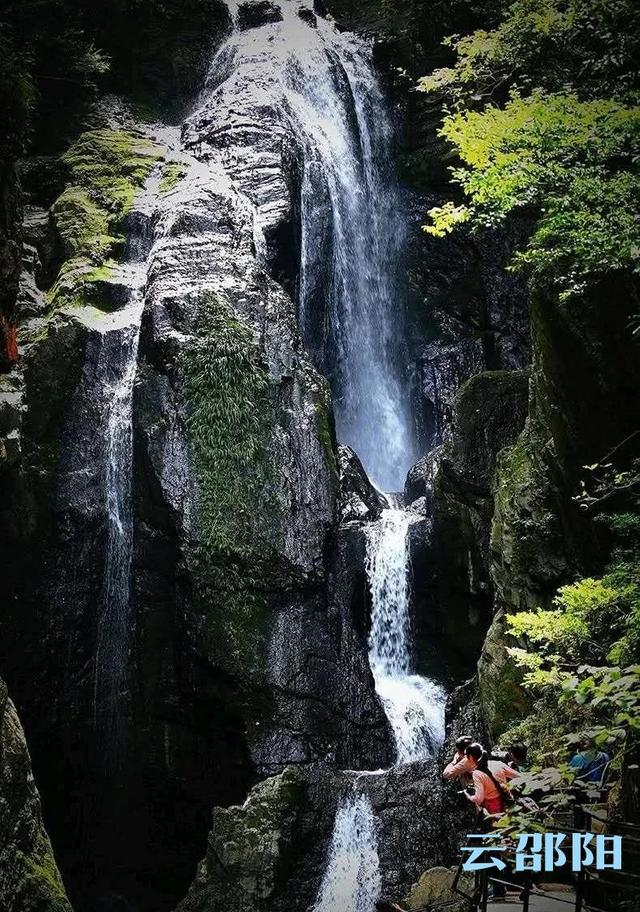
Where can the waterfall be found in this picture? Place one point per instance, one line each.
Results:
(117, 370)
(317, 84)
(352, 880)
(348, 182)
(114, 374)
(413, 704)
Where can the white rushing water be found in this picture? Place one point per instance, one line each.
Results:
(352, 880)
(115, 374)
(116, 369)
(414, 705)
(317, 84)
(322, 83)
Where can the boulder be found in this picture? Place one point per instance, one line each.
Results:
(250, 849)
(420, 478)
(357, 498)
(435, 887)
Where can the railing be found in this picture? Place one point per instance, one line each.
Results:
(587, 887)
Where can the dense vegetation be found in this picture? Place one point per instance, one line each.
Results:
(56, 54)
(542, 114)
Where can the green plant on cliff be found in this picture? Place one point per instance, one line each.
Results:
(592, 620)
(581, 666)
(543, 117)
(231, 416)
(591, 46)
(569, 163)
(107, 169)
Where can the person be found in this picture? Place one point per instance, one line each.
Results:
(489, 793)
(489, 779)
(589, 761)
(517, 756)
(460, 767)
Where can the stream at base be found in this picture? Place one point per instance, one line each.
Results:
(352, 880)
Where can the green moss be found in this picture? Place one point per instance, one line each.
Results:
(324, 425)
(172, 174)
(231, 416)
(510, 702)
(107, 170)
(39, 887)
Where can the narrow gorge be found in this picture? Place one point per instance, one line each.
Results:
(276, 467)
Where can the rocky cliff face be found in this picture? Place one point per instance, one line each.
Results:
(246, 608)
(584, 386)
(238, 658)
(29, 878)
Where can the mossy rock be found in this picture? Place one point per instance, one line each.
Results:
(107, 170)
(29, 878)
(500, 682)
(435, 887)
(231, 416)
(172, 174)
(249, 847)
(528, 542)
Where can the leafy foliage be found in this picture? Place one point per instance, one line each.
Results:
(570, 162)
(591, 620)
(588, 46)
(543, 115)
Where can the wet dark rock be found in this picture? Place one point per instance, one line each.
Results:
(357, 498)
(471, 310)
(270, 855)
(443, 370)
(29, 878)
(308, 16)
(420, 478)
(488, 413)
(258, 12)
(463, 716)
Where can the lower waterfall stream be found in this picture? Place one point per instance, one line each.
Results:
(352, 880)
(413, 704)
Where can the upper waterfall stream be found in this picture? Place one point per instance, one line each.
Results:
(322, 82)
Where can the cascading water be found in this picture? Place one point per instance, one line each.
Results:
(347, 174)
(324, 109)
(413, 704)
(352, 880)
(322, 82)
(117, 369)
(115, 373)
